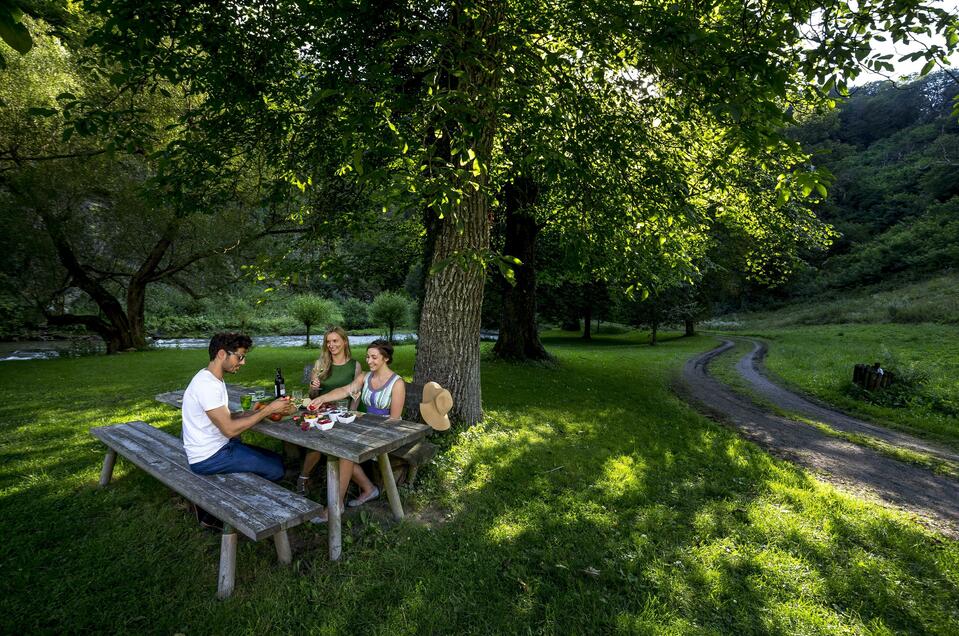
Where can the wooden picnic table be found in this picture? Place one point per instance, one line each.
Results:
(366, 437)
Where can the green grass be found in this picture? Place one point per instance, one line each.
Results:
(723, 367)
(591, 499)
(819, 361)
(935, 300)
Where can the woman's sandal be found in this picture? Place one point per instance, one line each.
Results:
(359, 501)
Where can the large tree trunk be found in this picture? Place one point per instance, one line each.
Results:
(588, 320)
(690, 327)
(135, 333)
(518, 335)
(447, 350)
(121, 329)
(448, 347)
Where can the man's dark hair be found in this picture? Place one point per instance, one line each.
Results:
(385, 348)
(229, 342)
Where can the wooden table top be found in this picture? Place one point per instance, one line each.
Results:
(366, 437)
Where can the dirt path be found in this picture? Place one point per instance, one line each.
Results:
(934, 498)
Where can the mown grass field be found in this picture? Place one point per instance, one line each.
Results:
(819, 360)
(591, 500)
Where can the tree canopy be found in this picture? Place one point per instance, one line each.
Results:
(624, 118)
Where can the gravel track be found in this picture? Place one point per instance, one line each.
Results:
(934, 498)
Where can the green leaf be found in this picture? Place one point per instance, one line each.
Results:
(477, 169)
(358, 160)
(41, 112)
(320, 96)
(13, 32)
(931, 64)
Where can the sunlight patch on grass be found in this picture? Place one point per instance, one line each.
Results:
(608, 514)
(620, 475)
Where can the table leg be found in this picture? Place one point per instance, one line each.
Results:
(333, 507)
(107, 472)
(227, 577)
(386, 471)
(283, 551)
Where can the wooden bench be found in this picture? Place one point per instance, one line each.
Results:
(244, 502)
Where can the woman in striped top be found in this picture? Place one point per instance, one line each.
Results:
(384, 393)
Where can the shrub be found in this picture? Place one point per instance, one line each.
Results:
(313, 310)
(355, 314)
(909, 387)
(390, 310)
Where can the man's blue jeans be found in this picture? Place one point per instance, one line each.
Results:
(237, 457)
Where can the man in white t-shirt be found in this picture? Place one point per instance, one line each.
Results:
(211, 434)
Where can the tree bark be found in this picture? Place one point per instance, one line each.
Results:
(588, 320)
(121, 328)
(448, 346)
(690, 327)
(447, 350)
(518, 334)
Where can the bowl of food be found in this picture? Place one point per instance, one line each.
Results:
(345, 417)
(325, 423)
(310, 419)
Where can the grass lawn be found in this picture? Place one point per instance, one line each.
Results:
(819, 360)
(591, 499)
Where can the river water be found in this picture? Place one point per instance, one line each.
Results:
(50, 349)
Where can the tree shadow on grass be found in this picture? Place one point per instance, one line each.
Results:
(687, 546)
(627, 514)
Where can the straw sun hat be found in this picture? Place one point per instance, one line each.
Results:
(436, 403)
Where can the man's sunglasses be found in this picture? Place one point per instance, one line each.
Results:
(240, 356)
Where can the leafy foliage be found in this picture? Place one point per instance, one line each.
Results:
(313, 310)
(355, 313)
(390, 310)
(894, 152)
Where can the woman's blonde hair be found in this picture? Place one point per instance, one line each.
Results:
(323, 366)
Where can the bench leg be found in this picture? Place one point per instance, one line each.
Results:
(333, 507)
(386, 471)
(106, 473)
(227, 577)
(283, 551)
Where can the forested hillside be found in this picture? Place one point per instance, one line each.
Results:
(894, 152)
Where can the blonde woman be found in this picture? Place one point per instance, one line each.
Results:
(334, 368)
(384, 393)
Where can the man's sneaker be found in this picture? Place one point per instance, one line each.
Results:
(205, 519)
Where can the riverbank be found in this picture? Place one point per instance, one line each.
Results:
(74, 347)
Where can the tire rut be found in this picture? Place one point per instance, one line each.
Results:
(932, 497)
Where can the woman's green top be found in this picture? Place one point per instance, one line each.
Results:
(341, 375)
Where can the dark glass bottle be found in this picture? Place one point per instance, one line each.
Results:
(279, 387)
